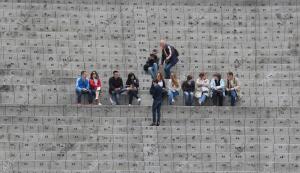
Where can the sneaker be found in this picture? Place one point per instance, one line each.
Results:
(200, 103)
(111, 101)
(99, 104)
(129, 105)
(153, 124)
(139, 100)
(173, 101)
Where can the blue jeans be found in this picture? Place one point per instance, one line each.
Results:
(153, 70)
(167, 69)
(115, 95)
(202, 99)
(233, 96)
(172, 95)
(188, 98)
(80, 93)
(156, 106)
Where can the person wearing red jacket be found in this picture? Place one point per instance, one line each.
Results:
(95, 86)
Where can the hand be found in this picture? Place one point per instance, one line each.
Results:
(117, 89)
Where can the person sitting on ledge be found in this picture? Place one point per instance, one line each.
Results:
(115, 88)
(83, 87)
(173, 88)
(217, 86)
(188, 88)
(232, 87)
(95, 85)
(151, 65)
(132, 87)
(202, 88)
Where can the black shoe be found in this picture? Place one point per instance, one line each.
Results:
(152, 124)
(158, 123)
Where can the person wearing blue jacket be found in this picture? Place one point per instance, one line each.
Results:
(157, 94)
(217, 85)
(83, 87)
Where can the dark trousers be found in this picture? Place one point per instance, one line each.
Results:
(156, 106)
(217, 98)
(132, 94)
(116, 95)
(80, 93)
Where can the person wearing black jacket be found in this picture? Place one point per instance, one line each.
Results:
(116, 88)
(151, 65)
(156, 91)
(188, 88)
(132, 86)
(169, 57)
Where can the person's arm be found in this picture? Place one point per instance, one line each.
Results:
(170, 52)
(121, 83)
(127, 83)
(212, 85)
(78, 88)
(238, 86)
(111, 86)
(183, 86)
(206, 83)
(193, 86)
(163, 57)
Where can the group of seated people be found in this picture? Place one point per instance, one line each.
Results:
(201, 89)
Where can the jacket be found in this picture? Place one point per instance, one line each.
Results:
(235, 83)
(114, 83)
(169, 51)
(202, 90)
(82, 83)
(221, 87)
(156, 92)
(186, 87)
(94, 85)
(173, 88)
(134, 82)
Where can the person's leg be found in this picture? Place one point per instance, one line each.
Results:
(158, 112)
(150, 71)
(113, 97)
(154, 70)
(154, 106)
(233, 96)
(186, 98)
(130, 94)
(202, 99)
(79, 94)
(167, 70)
(191, 96)
(221, 98)
(90, 96)
(215, 98)
(117, 96)
(170, 97)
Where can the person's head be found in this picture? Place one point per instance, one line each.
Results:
(162, 44)
(202, 76)
(154, 52)
(116, 74)
(159, 76)
(189, 77)
(174, 80)
(217, 76)
(131, 76)
(94, 75)
(83, 74)
(230, 75)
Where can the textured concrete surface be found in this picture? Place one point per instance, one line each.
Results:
(45, 45)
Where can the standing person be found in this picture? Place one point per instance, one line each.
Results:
(202, 88)
(95, 85)
(83, 87)
(151, 65)
(188, 88)
(115, 88)
(233, 87)
(217, 86)
(173, 89)
(132, 86)
(156, 91)
(169, 57)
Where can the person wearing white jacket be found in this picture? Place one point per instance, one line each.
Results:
(217, 85)
(202, 88)
(173, 88)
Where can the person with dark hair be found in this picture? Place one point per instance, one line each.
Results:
(161, 82)
(188, 88)
(151, 65)
(217, 86)
(156, 91)
(132, 86)
(202, 88)
(115, 88)
(169, 57)
(83, 87)
(233, 87)
(95, 85)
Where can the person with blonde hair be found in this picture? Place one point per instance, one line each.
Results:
(173, 89)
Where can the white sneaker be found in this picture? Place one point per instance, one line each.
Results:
(173, 101)
(139, 100)
(200, 103)
(129, 105)
(99, 104)
(111, 101)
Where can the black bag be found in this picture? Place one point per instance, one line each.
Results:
(146, 66)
